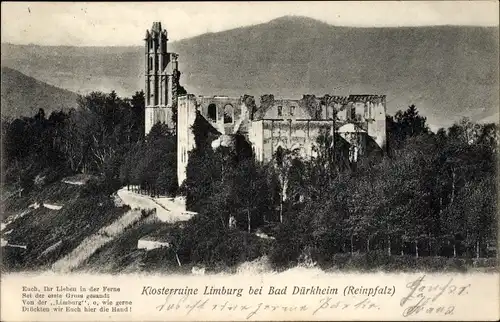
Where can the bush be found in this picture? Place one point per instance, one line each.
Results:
(100, 186)
(376, 259)
(432, 264)
(287, 248)
(50, 175)
(236, 247)
(160, 259)
(456, 264)
(204, 241)
(403, 263)
(485, 262)
(339, 261)
(292, 237)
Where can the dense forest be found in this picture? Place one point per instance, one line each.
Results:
(430, 195)
(104, 137)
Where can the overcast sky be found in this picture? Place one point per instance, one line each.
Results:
(105, 24)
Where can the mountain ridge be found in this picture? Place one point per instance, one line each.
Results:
(447, 71)
(24, 96)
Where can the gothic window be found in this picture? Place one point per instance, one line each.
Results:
(212, 112)
(280, 110)
(317, 113)
(352, 113)
(228, 114)
(150, 63)
(279, 155)
(164, 45)
(292, 110)
(156, 91)
(360, 112)
(331, 112)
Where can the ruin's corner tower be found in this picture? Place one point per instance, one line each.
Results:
(161, 78)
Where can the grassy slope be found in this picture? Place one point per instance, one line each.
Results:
(80, 216)
(121, 255)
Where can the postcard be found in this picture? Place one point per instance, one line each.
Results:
(250, 161)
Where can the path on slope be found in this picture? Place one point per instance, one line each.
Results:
(167, 209)
(92, 243)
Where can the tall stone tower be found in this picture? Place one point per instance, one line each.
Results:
(161, 77)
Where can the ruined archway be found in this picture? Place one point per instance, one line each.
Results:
(228, 114)
(212, 112)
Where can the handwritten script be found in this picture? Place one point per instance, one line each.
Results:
(189, 304)
(424, 297)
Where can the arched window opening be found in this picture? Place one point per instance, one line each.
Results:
(228, 114)
(279, 155)
(353, 114)
(331, 112)
(150, 63)
(280, 110)
(212, 112)
(292, 110)
(317, 113)
(360, 112)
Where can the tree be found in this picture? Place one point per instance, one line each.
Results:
(203, 171)
(404, 125)
(137, 103)
(250, 195)
(283, 162)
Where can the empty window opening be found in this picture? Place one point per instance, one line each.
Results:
(317, 113)
(331, 112)
(280, 110)
(292, 110)
(360, 112)
(353, 114)
(279, 155)
(212, 112)
(228, 114)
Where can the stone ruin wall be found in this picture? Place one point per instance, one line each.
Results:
(288, 123)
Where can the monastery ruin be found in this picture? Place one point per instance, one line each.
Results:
(268, 125)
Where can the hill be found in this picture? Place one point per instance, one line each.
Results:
(48, 222)
(23, 95)
(447, 71)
